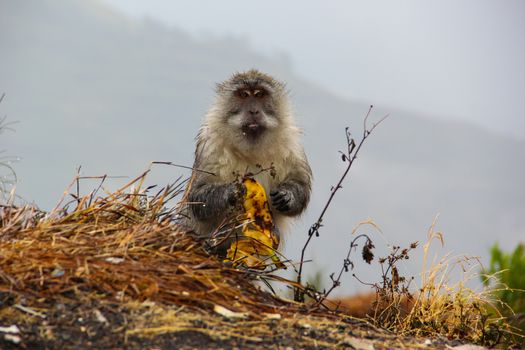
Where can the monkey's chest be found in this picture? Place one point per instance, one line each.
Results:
(267, 174)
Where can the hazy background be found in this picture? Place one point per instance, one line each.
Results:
(446, 59)
(112, 85)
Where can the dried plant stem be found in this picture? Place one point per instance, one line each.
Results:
(349, 157)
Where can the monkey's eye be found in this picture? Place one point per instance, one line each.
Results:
(258, 93)
(244, 93)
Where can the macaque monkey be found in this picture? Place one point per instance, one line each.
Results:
(249, 127)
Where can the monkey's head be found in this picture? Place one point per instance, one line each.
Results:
(252, 106)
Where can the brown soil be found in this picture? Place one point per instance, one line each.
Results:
(148, 325)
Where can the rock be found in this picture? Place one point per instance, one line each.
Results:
(359, 344)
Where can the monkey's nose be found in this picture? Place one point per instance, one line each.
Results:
(254, 112)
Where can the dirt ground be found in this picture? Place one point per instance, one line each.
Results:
(148, 325)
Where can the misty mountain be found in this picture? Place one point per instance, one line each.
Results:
(90, 87)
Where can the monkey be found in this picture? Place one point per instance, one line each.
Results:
(249, 127)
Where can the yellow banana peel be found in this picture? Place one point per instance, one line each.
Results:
(258, 240)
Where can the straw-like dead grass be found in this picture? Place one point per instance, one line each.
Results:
(117, 271)
(125, 246)
(439, 307)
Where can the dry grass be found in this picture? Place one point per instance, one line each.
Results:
(116, 270)
(439, 307)
(124, 245)
(123, 256)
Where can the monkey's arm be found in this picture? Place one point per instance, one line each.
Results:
(292, 195)
(211, 199)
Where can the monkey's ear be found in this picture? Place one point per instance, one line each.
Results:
(219, 87)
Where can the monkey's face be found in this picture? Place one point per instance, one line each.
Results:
(252, 113)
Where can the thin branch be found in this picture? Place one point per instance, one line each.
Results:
(184, 167)
(347, 263)
(350, 156)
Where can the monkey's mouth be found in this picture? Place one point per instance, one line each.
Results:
(252, 129)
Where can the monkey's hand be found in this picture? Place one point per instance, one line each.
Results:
(281, 199)
(213, 199)
(289, 198)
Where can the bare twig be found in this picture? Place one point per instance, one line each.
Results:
(348, 264)
(183, 167)
(7, 172)
(349, 157)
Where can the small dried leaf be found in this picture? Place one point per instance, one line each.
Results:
(224, 312)
(367, 253)
(13, 329)
(100, 317)
(114, 260)
(273, 316)
(13, 338)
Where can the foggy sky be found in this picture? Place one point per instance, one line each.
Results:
(450, 59)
